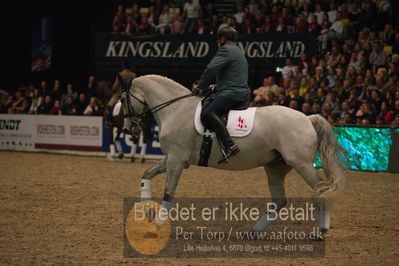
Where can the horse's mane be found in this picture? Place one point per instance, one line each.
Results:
(165, 82)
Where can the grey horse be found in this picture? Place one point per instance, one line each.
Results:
(281, 139)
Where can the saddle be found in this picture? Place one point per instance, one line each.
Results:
(224, 116)
(234, 129)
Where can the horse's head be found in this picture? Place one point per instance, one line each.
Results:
(134, 109)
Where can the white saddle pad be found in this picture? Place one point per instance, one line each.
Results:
(239, 123)
(117, 108)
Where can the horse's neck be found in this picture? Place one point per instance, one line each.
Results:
(162, 93)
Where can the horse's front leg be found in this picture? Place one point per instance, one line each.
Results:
(145, 189)
(174, 168)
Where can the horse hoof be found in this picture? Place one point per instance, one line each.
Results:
(132, 159)
(120, 156)
(142, 160)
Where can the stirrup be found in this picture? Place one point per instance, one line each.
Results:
(231, 151)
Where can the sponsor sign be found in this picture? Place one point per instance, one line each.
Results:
(181, 49)
(69, 133)
(17, 132)
(127, 142)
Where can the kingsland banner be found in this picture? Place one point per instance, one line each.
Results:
(269, 49)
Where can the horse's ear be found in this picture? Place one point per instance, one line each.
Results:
(121, 82)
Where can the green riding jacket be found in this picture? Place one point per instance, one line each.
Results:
(231, 70)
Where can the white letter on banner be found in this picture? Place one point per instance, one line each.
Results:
(121, 51)
(157, 49)
(132, 47)
(203, 49)
(166, 50)
(147, 51)
(111, 49)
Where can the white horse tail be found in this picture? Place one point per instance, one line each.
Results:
(330, 151)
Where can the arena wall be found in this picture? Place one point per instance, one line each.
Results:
(368, 149)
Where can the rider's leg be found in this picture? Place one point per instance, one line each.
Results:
(210, 116)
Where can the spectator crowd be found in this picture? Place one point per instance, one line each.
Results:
(329, 18)
(353, 78)
(53, 100)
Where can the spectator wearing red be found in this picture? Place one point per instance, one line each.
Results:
(386, 114)
(314, 26)
(117, 25)
(201, 28)
(258, 19)
(303, 62)
(131, 26)
(301, 24)
(56, 110)
(326, 23)
(248, 14)
(267, 25)
(276, 14)
(247, 27)
(177, 26)
(144, 26)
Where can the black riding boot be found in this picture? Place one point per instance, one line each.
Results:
(230, 148)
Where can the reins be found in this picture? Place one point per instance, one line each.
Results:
(132, 113)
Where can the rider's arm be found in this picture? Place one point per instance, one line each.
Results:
(219, 61)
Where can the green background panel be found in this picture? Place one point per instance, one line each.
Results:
(367, 148)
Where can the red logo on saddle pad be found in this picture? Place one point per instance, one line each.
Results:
(241, 123)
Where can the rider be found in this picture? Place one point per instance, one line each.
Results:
(231, 70)
(116, 90)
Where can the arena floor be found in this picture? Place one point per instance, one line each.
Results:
(69, 210)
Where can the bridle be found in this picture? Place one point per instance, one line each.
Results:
(138, 118)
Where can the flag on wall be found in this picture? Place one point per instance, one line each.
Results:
(41, 44)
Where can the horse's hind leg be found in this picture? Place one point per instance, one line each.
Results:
(276, 173)
(309, 174)
(157, 169)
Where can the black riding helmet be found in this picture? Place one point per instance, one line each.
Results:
(228, 33)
